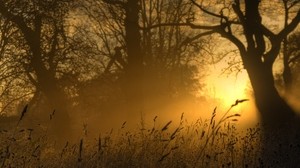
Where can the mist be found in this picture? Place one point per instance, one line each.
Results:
(172, 81)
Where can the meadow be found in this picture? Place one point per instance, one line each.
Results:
(213, 142)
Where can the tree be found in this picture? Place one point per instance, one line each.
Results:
(242, 23)
(168, 53)
(134, 69)
(42, 40)
(252, 45)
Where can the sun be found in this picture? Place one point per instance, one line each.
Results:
(227, 88)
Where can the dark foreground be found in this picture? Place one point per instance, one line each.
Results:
(209, 143)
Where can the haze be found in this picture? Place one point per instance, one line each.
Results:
(73, 70)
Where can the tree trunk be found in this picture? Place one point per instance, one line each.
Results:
(60, 125)
(279, 122)
(134, 70)
(47, 83)
(274, 110)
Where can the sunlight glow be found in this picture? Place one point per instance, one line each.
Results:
(227, 88)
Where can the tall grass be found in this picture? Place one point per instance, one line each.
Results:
(214, 142)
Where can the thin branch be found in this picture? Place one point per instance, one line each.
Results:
(206, 11)
(193, 26)
(189, 40)
(13, 100)
(16, 19)
(115, 2)
(234, 40)
(294, 3)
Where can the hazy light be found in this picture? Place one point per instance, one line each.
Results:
(227, 88)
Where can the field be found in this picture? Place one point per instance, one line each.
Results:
(213, 142)
(205, 143)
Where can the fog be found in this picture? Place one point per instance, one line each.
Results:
(102, 108)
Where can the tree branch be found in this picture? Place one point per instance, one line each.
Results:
(114, 2)
(234, 40)
(14, 18)
(13, 100)
(237, 9)
(294, 3)
(289, 28)
(206, 11)
(193, 26)
(189, 40)
(271, 55)
(268, 33)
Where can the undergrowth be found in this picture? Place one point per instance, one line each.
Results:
(204, 143)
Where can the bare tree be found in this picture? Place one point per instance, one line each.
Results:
(257, 57)
(42, 40)
(242, 23)
(168, 53)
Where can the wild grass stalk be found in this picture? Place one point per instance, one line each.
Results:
(214, 142)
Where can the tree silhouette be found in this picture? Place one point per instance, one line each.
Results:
(241, 22)
(168, 53)
(40, 25)
(258, 59)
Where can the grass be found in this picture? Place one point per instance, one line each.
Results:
(204, 143)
